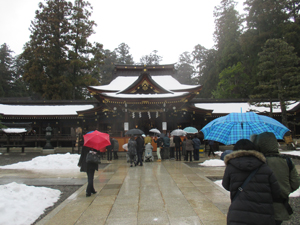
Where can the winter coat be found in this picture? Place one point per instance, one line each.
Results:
(148, 140)
(177, 141)
(183, 147)
(159, 142)
(111, 146)
(189, 145)
(172, 144)
(288, 179)
(132, 147)
(166, 141)
(116, 145)
(148, 147)
(254, 205)
(196, 143)
(82, 160)
(139, 144)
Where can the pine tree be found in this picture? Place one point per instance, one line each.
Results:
(206, 60)
(6, 70)
(58, 55)
(185, 69)
(151, 59)
(279, 74)
(123, 55)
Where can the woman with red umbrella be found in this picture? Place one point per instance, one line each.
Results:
(93, 143)
(89, 168)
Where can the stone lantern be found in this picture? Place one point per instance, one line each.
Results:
(48, 137)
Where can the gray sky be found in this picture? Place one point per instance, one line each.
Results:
(171, 27)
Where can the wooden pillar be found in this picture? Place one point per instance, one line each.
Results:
(23, 142)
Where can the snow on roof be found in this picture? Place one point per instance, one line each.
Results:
(238, 107)
(165, 81)
(137, 96)
(14, 130)
(42, 110)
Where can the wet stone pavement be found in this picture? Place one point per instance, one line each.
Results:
(167, 192)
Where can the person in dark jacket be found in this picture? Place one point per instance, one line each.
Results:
(166, 150)
(189, 148)
(140, 149)
(211, 144)
(159, 144)
(284, 170)
(132, 150)
(196, 144)
(178, 142)
(254, 204)
(116, 148)
(89, 168)
(109, 150)
(184, 154)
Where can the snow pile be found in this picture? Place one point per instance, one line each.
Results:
(22, 205)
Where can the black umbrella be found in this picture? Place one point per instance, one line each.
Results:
(134, 132)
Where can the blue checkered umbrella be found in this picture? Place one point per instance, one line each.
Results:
(235, 126)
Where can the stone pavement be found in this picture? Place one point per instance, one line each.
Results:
(167, 192)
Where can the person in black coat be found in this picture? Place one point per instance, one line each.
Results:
(110, 149)
(254, 204)
(177, 141)
(140, 149)
(89, 168)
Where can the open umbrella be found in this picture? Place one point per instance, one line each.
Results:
(178, 132)
(154, 130)
(96, 140)
(191, 130)
(235, 126)
(134, 132)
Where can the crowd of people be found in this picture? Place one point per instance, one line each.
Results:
(258, 177)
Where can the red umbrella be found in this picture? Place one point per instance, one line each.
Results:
(96, 140)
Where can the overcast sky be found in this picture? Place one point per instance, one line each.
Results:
(168, 26)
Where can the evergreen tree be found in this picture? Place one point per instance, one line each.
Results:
(279, 74)
(151, 59)
(123, 55)
(19, 87)
(81, 50)
(227, 34)
(106, 69)
(58, 64)
(206, 60)
(6, 70)
(185, 69)
(46, 52)
(234, 83)
(264, 21)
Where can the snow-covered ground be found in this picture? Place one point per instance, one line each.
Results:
(21, 204)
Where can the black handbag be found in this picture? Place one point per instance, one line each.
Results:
(92, 158)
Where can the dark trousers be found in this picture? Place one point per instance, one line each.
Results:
(187, 155)
(115, 155)
(196, 154)
(132, 159)
(178, 153)
(211, 150)
(140, 155)
(90, 176)
(166, 153)
(109, 155)
(172, 151)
